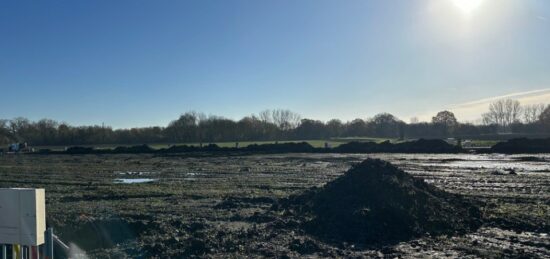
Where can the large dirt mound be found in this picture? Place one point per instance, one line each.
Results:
(522, 145)
(375, 203)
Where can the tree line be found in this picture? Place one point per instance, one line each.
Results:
(504, 116)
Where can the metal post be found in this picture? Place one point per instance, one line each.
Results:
(34, 252)
(4, 252)
(48, 245)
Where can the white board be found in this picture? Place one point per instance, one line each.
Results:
(22, 216)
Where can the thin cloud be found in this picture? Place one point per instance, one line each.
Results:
(507, 96)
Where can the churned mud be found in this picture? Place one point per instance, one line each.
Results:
(235, 206)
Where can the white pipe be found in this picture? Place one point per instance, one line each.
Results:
(60, 243)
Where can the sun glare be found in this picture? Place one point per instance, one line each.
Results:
(467, 6)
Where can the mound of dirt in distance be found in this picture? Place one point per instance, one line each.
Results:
(290, 147)
(80, 150)
(188, 149)
(133, 149)
(418, 146)
(522, 145)
(375, 203)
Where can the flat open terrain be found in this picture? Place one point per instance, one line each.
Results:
(219, 206)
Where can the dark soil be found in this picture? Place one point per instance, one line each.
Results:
(375, 203)
(522, 145)
(95, 234)
(237, 206)
(531, 159)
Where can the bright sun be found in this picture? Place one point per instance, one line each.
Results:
(467, 6)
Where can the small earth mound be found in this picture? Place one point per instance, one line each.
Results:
(375, 203)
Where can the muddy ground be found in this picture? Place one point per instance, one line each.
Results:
(222, 206)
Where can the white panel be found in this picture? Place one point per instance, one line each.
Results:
(28, 217)
(22, 216)
(9, 217)
(9, 208)
(40, 215)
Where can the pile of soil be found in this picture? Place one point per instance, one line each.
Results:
(133, 149)
(79, 150)
(417, 146)
(522, 145)
(375, 203)
(290, 147)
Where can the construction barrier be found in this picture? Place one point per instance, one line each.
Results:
(23, 224)
(44, 251)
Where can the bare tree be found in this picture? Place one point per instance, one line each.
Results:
(503, 113)
(544, 117)
(285, 119)
(265, 116)
(531, 113)
(4, 131)
(513, 111)
(4, 125)
(335, 127)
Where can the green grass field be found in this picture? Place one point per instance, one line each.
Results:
(482, 143)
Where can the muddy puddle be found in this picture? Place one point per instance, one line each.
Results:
(134, 180)
(132, 173)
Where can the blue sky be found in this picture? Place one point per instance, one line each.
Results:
(136, 63)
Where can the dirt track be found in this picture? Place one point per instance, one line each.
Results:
(220, 206)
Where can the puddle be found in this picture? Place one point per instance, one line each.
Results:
(134, 173)
(134, 180)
